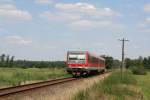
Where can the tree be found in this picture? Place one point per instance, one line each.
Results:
(108, 61)
(128, 63)
(140, 61)
(146, 62)
(2, 59)
(116, 63)
(11, 62)
(7, 61)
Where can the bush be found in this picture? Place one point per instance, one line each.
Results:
(138, 71)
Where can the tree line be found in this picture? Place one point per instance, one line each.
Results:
(8, 61)
(110, 62)
(139, 62)
(39, 64)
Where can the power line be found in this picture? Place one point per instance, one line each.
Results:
(123, 46)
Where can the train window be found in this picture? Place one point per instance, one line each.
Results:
(81, 57)
(77, 57)
(72, 57)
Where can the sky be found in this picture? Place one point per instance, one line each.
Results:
(47, 29)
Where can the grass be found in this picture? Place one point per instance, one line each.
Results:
(17, 76)
(143, 81)
(112, 88)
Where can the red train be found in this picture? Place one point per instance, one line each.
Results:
(84, 63)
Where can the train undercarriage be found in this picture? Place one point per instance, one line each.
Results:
(84, 72)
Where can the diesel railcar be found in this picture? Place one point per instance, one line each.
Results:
(84, 63)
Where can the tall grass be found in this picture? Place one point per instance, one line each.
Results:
(144, 82)
(112, 88)
(17, 76)
(117, 85)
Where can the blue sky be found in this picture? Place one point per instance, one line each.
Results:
(47, 29)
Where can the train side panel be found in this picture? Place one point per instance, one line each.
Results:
(95, 63)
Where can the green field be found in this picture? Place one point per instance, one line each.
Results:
(112, 88)
(17, 76)
(131, 87)
(144, 83)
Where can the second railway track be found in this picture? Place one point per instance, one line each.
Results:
(27, 87)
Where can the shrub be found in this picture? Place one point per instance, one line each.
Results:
(138, 71)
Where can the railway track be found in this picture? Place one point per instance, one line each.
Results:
(27, 87)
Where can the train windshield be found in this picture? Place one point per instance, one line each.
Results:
(76, 58)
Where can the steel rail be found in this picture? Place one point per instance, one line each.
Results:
(27, 87)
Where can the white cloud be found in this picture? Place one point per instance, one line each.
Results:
(75, 6)
(86, 9)
(145, 30)
(81, 16)
(89, 24)
(147, 20)
(74, 11)
(10, 11)
(43, 1)
(147, 7)
(60, 16)
(85, 25)
(17, 40)
(144, 26)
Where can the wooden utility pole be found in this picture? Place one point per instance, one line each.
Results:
(122, 63)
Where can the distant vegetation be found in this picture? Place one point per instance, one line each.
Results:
(138, 66)
(39, 64)
(111, 63)
(139, 62)
(7, 61)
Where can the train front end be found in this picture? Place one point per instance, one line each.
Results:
(77, 62)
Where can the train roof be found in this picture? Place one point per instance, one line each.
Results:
(96, 56)
(88, 53)
(77, 51)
